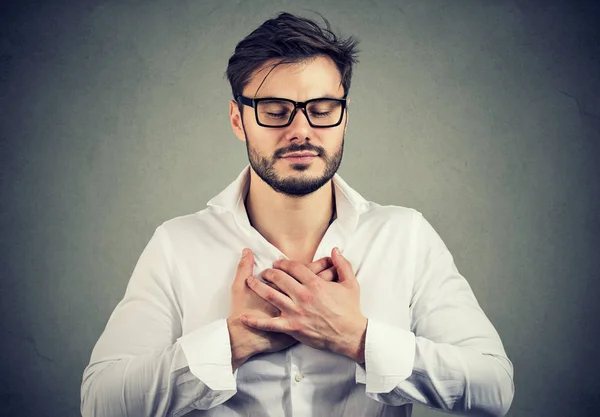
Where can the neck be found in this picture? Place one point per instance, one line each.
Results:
(294, 225)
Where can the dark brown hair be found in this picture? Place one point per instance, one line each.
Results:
(290, 39)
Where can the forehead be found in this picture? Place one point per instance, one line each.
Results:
(316, 77)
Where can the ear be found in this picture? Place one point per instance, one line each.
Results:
(235, 117)
(347, 115)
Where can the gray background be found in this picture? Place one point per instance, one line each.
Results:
(483, 115)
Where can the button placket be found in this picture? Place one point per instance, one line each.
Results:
(295, 372)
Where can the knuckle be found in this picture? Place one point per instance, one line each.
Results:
(274, 275)
(293, 265)
(280, 264)
(306, 297)
(315, 285)
(270, 296)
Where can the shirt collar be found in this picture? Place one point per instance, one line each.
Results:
(349, 203)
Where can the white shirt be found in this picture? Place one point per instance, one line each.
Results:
(166, 351)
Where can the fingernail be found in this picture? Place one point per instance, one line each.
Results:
(337, 251)
(245, 252)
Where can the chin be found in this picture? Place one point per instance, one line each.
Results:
(301, 167)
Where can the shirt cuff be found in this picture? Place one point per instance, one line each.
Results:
(208, 352)
(389, 357)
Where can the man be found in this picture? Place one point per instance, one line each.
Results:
(338, 306)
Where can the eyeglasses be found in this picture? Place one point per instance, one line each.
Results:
(280, 112)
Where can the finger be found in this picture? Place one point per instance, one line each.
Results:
(343, 266)
(283, 282)
(296, 270)
(320, 265)
(330, 274)
(275, 324)
(245, 268)
(277, 299)
(275, 287)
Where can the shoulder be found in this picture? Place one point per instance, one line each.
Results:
(208, 221)
(403, 222)
(390, 215)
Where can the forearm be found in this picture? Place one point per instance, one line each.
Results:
(145, 363)
(157, 384)
(463, 379)
(456, 361)
(458, 379)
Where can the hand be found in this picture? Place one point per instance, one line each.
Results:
(245, 341)
(318, 313)
(323, 268)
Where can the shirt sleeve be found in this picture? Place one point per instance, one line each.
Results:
(142, 365)
(452, 359)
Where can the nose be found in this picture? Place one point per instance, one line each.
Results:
(300, 125)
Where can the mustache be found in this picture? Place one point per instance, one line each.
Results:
(305, 147)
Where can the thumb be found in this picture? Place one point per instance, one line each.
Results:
(343, 267)
(244, 269)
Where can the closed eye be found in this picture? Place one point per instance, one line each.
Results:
(277, 115)
(320, 114)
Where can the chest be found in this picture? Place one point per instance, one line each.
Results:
(383, 267)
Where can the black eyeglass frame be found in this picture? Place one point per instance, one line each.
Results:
(253, 102)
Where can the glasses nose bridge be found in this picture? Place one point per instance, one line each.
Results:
(301, 105)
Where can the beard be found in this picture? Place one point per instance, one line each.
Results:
(296, 186)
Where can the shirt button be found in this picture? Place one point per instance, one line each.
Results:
(299, 377)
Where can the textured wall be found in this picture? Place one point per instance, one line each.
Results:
(483, 115)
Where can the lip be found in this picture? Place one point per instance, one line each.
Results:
(300, 158)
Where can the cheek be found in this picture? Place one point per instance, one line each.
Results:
(262, 140)
(333, 139)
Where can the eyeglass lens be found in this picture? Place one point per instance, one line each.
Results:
(320, 112)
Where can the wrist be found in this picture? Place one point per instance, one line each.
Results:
(240, 348)
(353, 344)
(243, 344)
